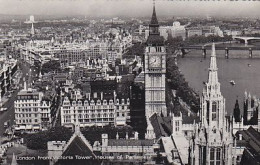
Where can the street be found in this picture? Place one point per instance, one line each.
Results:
(9, 114)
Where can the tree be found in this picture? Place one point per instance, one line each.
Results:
(49, 66)
(39, 140)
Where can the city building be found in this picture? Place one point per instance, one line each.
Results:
(177, 30)
(95, 108)
(68, 53)
(7, 70)
(155, 70)
(194, 32)
(212, 142)
(32, 110)
(164, 31)
(128, 150)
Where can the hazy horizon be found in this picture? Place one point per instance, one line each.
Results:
(132, 8)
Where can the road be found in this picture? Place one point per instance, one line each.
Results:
(9, 114)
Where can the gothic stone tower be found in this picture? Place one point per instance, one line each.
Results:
(155, 70)
(212, 142)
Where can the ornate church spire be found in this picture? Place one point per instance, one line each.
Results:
(213, 70)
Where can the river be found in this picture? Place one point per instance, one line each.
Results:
(244, 71)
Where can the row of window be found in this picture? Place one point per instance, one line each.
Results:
(26, 121)
(90, 120)
(24, 110)
(27, 105)
(86, 103)
(92, 116)
(97, 108)
(69, 111)
(28, 97)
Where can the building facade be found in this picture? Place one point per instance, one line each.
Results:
(94, 109)
(32, 111)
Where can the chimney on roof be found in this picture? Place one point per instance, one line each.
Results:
(24, 85)
(101, 97)
(136, 136)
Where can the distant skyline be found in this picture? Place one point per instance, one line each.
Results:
(132, 8)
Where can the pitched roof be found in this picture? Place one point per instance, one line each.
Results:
(252, 137)
(78, 147)
(155, 40)
(161, 126)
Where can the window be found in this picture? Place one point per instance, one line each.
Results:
(212, 156)
(177, 126)
(218, 156)
(214, 111)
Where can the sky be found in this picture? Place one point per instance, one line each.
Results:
(132, 8)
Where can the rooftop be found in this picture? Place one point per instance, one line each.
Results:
(129, 142)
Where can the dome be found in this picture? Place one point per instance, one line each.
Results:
(176, 23)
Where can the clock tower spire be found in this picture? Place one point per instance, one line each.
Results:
(155, 70)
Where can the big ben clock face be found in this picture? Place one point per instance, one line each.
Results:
(155, 62)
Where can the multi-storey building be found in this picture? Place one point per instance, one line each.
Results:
(8, 68)
(177, 30)
(94, 109)
(194, 32)
(32, 111)
(111, 49)
(212, 141)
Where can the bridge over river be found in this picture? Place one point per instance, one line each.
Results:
(225, 46)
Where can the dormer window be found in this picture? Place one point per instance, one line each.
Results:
(86, 103)
(111, 101)
(79, 103)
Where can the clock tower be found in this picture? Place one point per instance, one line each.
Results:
(155, 70)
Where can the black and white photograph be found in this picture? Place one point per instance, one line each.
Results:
(129, 82)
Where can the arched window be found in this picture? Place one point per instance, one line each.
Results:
(218, 156)
(212, 156)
